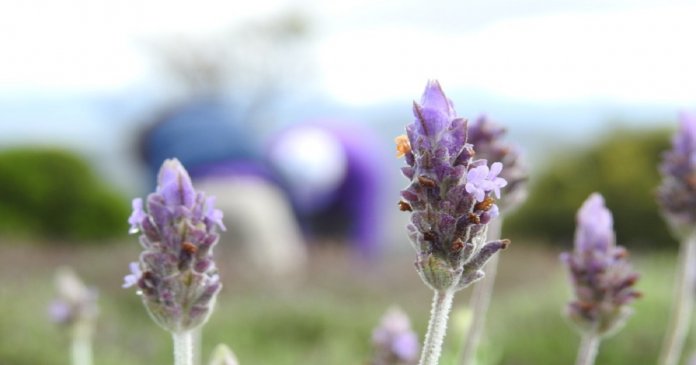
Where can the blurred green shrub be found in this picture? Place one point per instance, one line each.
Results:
(623, 167)
(53, 193)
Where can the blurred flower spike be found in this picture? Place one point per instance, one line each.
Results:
(452, 197)
(75, 303)
(677, 194)
(487, 139)
(176, 275)
(393, 340)
(602, 279)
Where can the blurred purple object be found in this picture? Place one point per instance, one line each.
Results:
(602, 278)
(393, 340)
(75, 304)
(334, 174)
(677, 194)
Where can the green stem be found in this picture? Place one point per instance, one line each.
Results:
(432, 347)
(81, 346)
(588, 349)
(682, 305)
(183, 348)
(480, 299)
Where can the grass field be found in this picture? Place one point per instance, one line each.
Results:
(324, 319)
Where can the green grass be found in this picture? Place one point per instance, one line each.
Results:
(325, 320)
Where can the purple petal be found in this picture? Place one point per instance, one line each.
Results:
(496, 168)
(132, 278)
(137, 216)
(214, 215)
(175, 184)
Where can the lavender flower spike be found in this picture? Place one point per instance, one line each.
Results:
(76, 308)
(451, 199)
(601, 276)
(176, 275)
(450, 195)
(677, 198)
(394, 341)
(677, 194)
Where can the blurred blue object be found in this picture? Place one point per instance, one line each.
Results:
(206, 137)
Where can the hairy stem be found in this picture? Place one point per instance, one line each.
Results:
(437, 327)
(183, 348)
(588, 349)
(682, 305)
(480, 299)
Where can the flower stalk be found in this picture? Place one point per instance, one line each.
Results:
(437, 327)
(183, 348)
(480, 301)
(589, 347)
(683, 304)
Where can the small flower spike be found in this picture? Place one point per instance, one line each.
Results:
(602, 279)
(487, 139)
(393, 340)
(176, 274)
(75, 303)
(451, 196)
(677, 194)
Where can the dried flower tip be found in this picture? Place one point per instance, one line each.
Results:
(405, 207)
(403, 146)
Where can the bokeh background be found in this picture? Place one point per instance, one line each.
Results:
(287, 110)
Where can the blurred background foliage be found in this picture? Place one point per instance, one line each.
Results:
(622, 166)
(55, 194)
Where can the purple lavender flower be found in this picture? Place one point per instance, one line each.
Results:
(449, 195)
(75, 304)
(394, 341)
(677, 194)
(176, 275)
(601, 276)
(486, 137)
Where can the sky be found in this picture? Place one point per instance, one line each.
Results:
(82, 72)
(369, 52)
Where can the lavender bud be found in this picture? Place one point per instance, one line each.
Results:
(393, 340)
(600, 274)
(486, 137)
(176, 274)
(75, 304)
(677, 194)
(451, 196)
